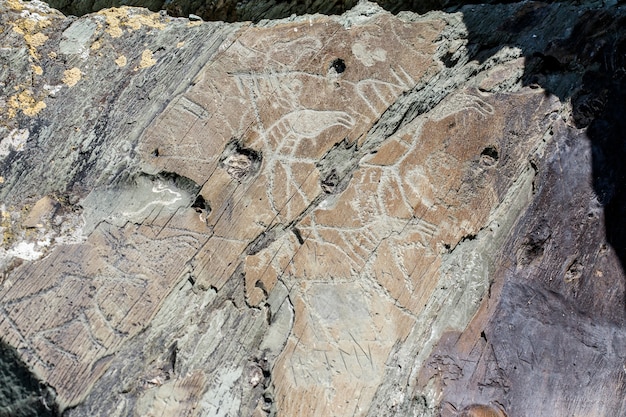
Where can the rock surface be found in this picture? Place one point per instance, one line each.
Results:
(363, 214)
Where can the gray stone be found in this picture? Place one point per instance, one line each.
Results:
(362, 214)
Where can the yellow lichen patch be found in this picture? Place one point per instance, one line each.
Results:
(1, 180)
(121, 61)
(180, 44)
(52, 55)
(151, 20)
(112, 17)
(194, 23)
(71, 77)
(28, 28)
(34, 109)
(15, 5)
(36, 40)
(146, 59)
(119, 17)
(23, 26)
(11, 111)
(95, 46)
(114, 31)
(44, 23)
(25, 102)
(37, 69)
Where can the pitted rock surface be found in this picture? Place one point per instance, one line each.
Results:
(353, 215)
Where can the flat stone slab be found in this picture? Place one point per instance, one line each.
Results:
(318, 215)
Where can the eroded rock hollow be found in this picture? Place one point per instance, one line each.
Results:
(357, 215)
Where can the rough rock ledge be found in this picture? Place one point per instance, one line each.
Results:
(358, 215)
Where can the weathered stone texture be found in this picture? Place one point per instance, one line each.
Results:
(358, 215)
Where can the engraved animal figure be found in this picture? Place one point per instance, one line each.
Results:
(458, 102)
(284, 137)
(276, 52)
(290, 129)
(379, 95)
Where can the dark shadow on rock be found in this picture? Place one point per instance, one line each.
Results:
(578, 54)
(600, 106)
(21, 394)
(552, 339)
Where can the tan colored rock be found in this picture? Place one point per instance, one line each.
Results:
(275, 106)
(41, 212)
(283, 219)
(251, 131)
(374, 256)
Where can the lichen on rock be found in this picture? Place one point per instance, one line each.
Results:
(364, 214)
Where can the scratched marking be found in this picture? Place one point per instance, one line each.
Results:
(379, 95)
(292, 128)
(192, 107)
(163, 196)
(460, 102)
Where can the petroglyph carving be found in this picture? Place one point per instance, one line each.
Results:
(163, 196)
(192, 107)
(339, 269)
(290, 129)
(460, 102)
(278, 50)
(105, 289)
(379, 94)
(368, 56)
(479, 410)
(387, 230)
(288, 133)
(368, 251)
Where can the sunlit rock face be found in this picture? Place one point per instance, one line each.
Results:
(363, 214)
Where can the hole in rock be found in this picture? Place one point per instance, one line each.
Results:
(240, 162)
(449, 59)
(339, 65)
(262, 241)
(489, 156)
(260, 285)
(201, 205)
(298, 235)
(267, 403)
(329, 184)
(177, 180)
